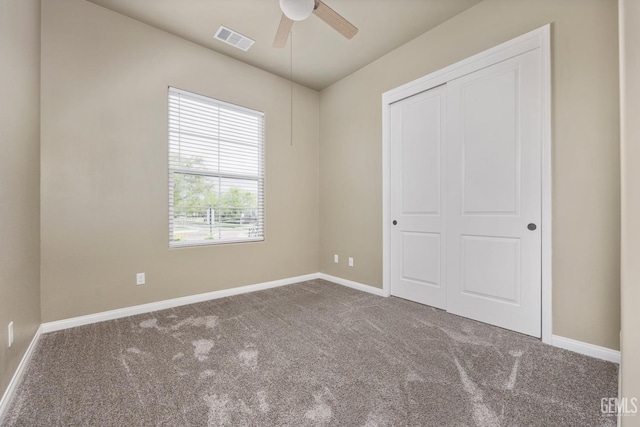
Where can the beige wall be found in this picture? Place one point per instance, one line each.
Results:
(586, 194)
(19, 179)
(630, 156)
(104, 165)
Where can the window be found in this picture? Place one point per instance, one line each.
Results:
(216, 171)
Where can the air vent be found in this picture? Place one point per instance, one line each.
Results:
(233, 38)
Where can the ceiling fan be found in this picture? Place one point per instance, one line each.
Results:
(299, 10)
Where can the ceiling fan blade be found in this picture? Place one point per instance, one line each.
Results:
(282, 35)
(335, 20)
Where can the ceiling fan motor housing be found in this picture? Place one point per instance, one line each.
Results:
(297, 10)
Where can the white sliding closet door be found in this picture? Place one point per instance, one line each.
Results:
(417, 240)
(494, 125)
(465, 195)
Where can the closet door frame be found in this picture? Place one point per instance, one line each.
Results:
(536, 39)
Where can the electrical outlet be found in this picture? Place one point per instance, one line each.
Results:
(140, 279)
(336, 259)
(10, 333)
(350, 262)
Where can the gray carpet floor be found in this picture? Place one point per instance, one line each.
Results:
(310, 354)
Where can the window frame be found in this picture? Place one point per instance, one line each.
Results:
(260, 178)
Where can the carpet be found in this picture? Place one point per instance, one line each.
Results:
(310, 354)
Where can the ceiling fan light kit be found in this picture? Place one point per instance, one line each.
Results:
(297, 10)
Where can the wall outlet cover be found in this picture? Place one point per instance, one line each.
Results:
(140, 279)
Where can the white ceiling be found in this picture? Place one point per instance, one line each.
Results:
(321, 56)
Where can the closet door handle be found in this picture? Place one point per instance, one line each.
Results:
(532, 226)
(395, 222)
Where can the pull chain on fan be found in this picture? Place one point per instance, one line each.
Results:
(291, 87)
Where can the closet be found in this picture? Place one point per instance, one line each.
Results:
(465, 193)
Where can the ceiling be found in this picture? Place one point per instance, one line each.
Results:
(321, 56)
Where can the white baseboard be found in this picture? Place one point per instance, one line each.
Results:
(170, 303)
(17, 376)
(557, 341)
(355, 285)
(586, 349)
(191, 299)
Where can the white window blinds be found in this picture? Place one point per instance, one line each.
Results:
(216, 171)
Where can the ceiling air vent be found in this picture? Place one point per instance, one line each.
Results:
(233, 38)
